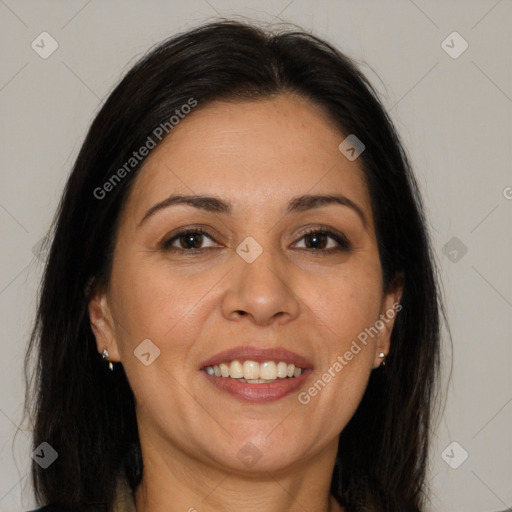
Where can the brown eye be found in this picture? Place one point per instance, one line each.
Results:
(188, 241)
(324, 240)
(316, 241)
(191, 240)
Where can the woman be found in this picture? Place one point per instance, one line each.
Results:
(240, 308)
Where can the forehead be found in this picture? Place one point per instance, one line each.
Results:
(252, 153)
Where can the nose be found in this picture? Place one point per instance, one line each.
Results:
(262, 290)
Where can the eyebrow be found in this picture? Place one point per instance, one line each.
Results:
(216, 205)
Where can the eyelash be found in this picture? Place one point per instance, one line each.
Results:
(341, 239)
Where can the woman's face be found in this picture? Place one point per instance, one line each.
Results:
(256, 282)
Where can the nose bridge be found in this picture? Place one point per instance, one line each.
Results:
(260, 283)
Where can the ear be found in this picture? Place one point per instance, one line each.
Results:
(390, 308)
(102, 324)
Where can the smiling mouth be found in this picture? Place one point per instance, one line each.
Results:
(253, 372)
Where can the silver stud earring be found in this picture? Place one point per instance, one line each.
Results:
(383, 358)
(104, 355)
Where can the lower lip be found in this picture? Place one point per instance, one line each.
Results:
(258, 392)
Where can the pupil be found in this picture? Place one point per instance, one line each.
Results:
(318, 240)
(191, 240)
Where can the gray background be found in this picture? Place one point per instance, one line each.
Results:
(454, 115)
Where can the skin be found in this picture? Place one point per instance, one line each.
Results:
(256, 155)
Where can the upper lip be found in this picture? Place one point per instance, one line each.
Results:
(257, 354)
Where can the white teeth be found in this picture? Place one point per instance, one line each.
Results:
(282, 370)
(224, 370)
(253, 372)
(268, 370)
(236, 370)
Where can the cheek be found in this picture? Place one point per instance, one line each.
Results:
(344, 304)
(153, 302)
(343, 309)
(156, 305)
